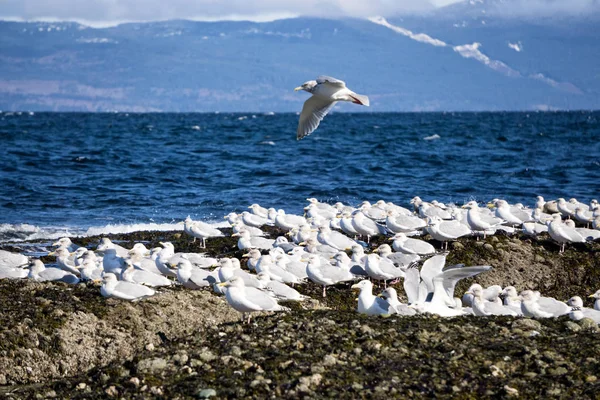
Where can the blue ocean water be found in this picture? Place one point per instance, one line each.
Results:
(78, 170)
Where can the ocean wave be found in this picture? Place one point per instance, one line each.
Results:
(16, 233)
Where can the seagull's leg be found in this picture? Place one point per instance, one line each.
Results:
(249, 316)
(324, 291)
(368, 239)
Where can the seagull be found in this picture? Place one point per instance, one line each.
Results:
(40, 273)
(534, 306)
(483, 307)
(133, 275)
(201, 230)
(326, 91)
(248, 299)
(124, 290)
(578, 311)
(391, 297)
(370, 304)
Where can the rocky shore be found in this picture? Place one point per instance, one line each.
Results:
(69, 342)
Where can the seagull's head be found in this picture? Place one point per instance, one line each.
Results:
(307, 86)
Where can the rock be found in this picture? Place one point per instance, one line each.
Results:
(135, 381)
(588, 324)
(81, 386)
(206, 393)
(511, 392)
(308, 383)
(457, 246)
(206, 355)
(366, 329)
(151, 365)
(329, 360)
(572, 326)
(180, 359)
(557, 371)
(235, 351)
(526, 324)
(111, 391)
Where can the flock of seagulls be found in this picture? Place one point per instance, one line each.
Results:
(329, 245)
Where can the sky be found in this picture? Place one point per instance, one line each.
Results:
(112, 12)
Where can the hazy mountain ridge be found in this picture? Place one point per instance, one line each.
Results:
(247, 66)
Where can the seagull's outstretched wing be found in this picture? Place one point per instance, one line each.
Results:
(328, 79)
(412, 278)
(313, 111)
(450, 277)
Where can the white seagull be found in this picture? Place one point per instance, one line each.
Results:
(326, 91)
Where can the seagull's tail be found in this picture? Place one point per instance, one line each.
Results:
(359, 99)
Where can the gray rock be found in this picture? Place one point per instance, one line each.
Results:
(206, 393)
(527, 324)
(588, 324)
(152, 365)
(572, 326)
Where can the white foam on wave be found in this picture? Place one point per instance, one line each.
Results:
(13, 233)
(129, 228)
(26, 232)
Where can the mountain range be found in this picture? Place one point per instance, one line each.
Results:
(466, 56)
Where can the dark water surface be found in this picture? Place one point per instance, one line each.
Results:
(85, 169)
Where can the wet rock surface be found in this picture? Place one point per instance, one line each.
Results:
(69, 342)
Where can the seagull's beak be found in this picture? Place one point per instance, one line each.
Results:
(468, 292)
(52, 253)
(223, 284)
(302, 244)
(490, 205)
(355, 287)
(246, 255)
(298, 88)
(592, 295)
(235, 234)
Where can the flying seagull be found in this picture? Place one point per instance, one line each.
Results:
(326, 91)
